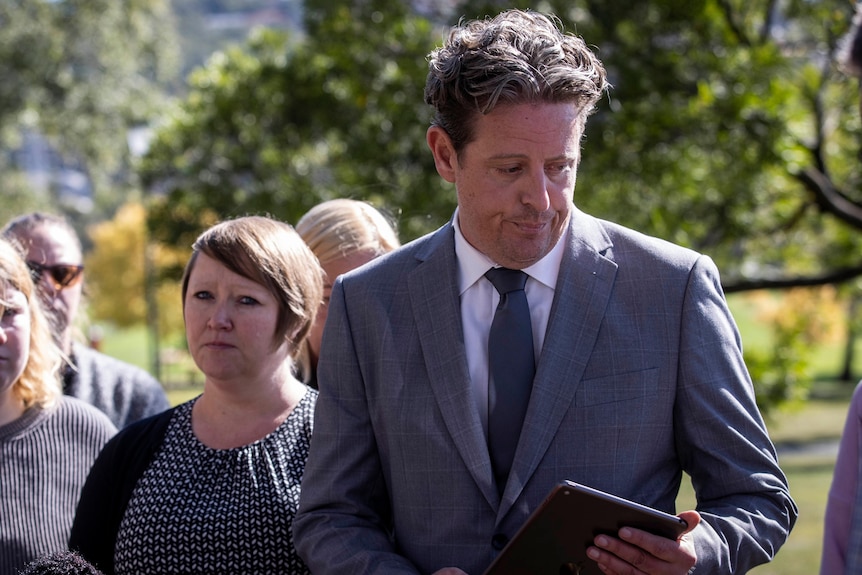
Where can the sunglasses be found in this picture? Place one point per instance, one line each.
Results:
(61, 275)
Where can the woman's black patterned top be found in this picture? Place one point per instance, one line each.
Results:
(203, 510)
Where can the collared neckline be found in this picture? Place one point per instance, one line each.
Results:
(472, 264)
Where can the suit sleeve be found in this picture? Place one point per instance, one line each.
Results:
(722, 441)
(343, 524)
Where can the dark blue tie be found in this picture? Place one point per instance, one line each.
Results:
(512, 366)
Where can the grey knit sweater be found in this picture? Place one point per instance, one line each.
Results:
(45, 456)
(123, 392)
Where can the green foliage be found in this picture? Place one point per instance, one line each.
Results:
(116, 274)
(115, 268)
(18, 198)
(780, 375)
(718, 108)
(714, 110)
(82, 72)
(799, 323)
(199, 38)
(290, 121)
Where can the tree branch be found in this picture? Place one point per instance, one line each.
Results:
(768, 21)
(835, 276)
(829, 198)
(732, 24)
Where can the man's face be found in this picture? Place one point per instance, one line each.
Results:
(50, 245)
(515, 180)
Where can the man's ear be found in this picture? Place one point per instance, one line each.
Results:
(445, 158)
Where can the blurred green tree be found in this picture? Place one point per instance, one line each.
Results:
(82, 73)
(289, 120)
(116, 268)
(730, 129)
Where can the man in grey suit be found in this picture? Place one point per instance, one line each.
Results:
(638, 375)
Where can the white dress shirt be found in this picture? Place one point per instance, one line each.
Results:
(479, 301)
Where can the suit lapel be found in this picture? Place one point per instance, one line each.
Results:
(436, 310)
(583, 289)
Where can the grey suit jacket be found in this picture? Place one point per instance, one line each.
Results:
(641, 378)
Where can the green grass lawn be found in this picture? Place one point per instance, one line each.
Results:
(809, 484)
(819, 420)
(131, 345)
(809, 475)
(177, 371)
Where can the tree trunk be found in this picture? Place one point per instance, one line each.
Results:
(849, 349)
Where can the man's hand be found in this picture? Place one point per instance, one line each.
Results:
(637, 552)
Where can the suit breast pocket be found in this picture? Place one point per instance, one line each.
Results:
(623, 421)
(618, 387)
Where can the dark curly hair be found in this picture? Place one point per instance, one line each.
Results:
(60, 563)
(516, 57)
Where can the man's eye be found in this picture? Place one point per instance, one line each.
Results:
(509, 170)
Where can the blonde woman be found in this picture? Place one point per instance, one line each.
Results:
(52, 250)
(47, 441)
(344, 234)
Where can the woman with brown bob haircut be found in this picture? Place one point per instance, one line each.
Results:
(212, 485)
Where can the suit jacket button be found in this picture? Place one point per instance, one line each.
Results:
(498, 541)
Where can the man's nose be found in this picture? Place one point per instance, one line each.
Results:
(535, 191)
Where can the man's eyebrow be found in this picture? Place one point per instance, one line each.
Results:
(516, 156)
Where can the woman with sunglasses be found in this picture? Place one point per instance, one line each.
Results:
(125, 393)
(212, 485)
(47, 442)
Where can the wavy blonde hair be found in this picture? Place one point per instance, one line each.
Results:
(337, 229)
(39, 384)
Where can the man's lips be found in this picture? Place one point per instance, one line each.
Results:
(530, 227)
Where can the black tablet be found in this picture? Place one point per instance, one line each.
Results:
(554, 539)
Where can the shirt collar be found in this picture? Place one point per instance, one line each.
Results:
(472, 264)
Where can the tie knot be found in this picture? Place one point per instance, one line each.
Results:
(506, 280)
